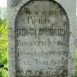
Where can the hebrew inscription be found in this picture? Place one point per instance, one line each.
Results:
(42, 40)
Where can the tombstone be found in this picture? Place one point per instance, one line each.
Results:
(41, 35)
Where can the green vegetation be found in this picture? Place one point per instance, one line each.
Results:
(3, 43)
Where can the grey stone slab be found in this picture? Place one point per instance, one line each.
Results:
(41, 35)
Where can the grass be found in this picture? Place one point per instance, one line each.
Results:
(3, 57)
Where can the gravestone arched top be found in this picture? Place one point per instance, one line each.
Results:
(41, 33)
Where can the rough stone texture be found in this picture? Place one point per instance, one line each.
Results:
(41, 35)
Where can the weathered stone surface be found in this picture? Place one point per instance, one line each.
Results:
(41, 38)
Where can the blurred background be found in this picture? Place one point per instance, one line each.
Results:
(3, 40)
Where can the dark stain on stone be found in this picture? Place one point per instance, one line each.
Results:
(61, 72)
(27, 11)
(15, 2)
(29, 72)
